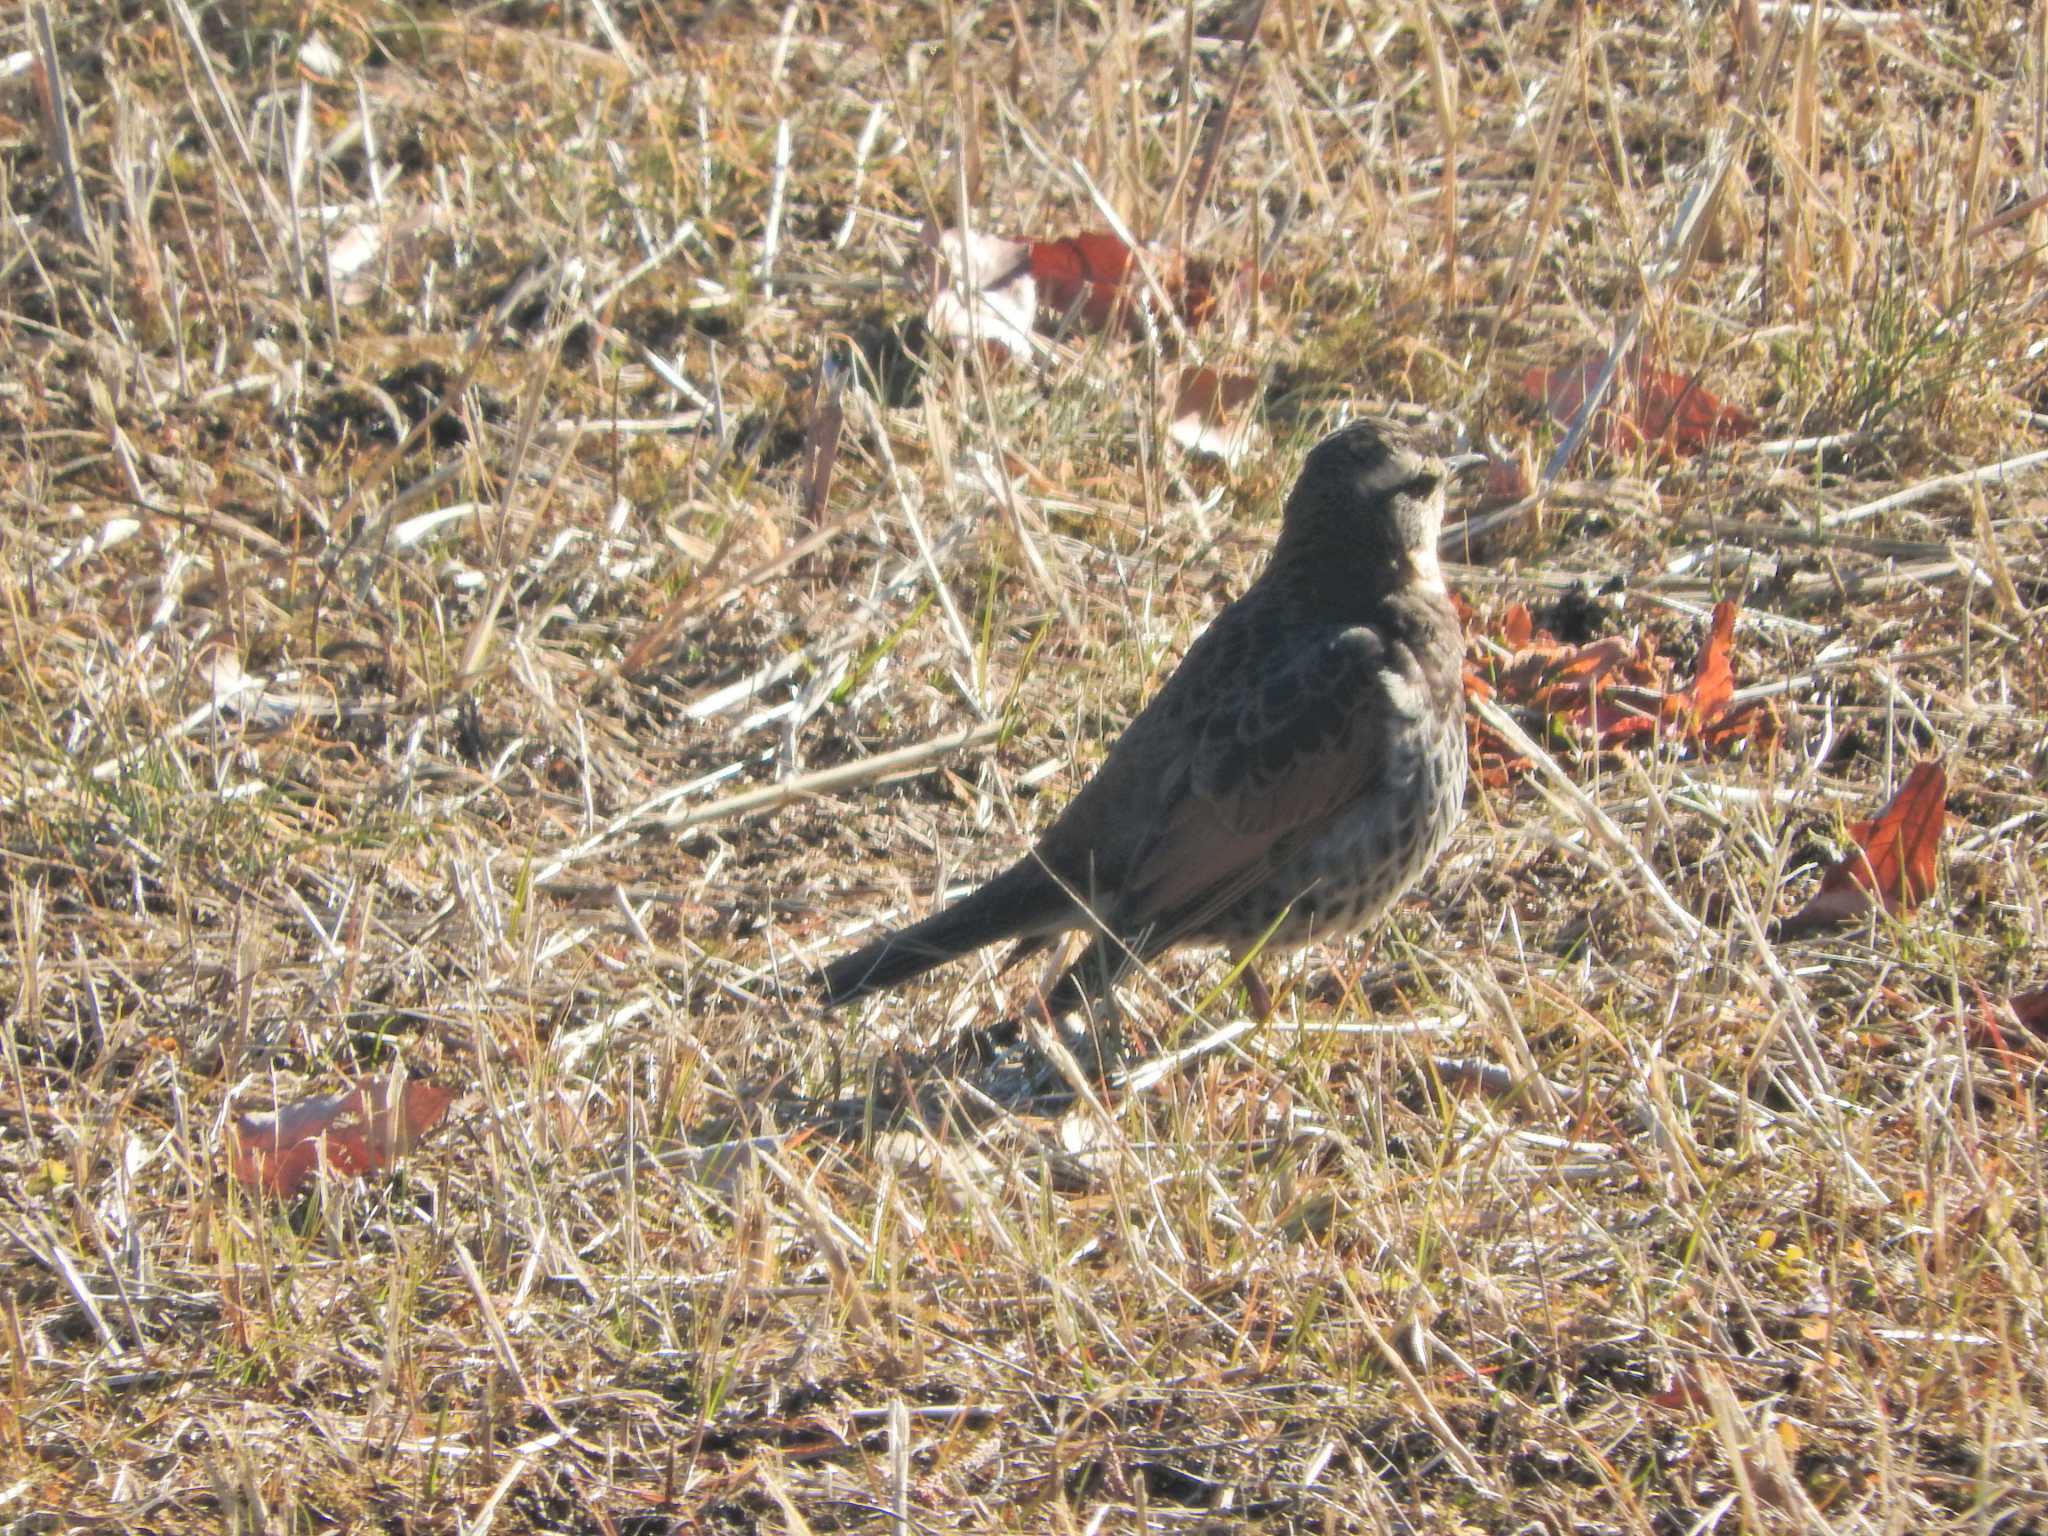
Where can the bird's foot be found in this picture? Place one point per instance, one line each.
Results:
(1073, 1051)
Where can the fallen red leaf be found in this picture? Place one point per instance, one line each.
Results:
(1714, 685)
(1087, 269)
(1611, 720)
(361, 1130)
(1678, 410)
(998, 290)
(1616, 691)
(1590, 663)
(1986, 1026)
(1644, 404)
(1683, 1390)
(1895, 858)
(1517, 628)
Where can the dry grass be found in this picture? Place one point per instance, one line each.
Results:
(298, 787)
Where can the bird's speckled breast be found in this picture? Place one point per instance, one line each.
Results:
(1372, 853)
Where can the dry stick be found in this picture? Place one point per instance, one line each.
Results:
(190, 23)
(924, 549)
(1928, 489)
(1444, 88)
(1150, 1074)
(494, 1330)
(480, 1523)
(996, 476)
(60, 127)
(899, 1466)
(1219, 123)
(657, 637)
(1455, 1449)
(608, 25)
(479, 348)
(771, 238)
(61, 1264)
(2011, 215)
(1456, 540)
(1791, 1020)
(1681, 243)
(1682, 924)
(867, 769)
(89, 1219)
(999, 482)
(484, 631)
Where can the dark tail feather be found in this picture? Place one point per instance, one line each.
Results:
(1022, 901)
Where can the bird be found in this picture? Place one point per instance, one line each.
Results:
(1298, 772)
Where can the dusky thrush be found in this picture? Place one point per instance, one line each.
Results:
(1297, 773)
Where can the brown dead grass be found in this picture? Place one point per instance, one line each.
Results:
(298, 786)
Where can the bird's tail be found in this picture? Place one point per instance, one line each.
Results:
(1023, 901)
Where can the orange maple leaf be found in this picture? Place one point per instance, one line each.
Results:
(1894, 861)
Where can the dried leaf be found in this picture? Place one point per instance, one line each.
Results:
(1087, 269)
(361, 1130)
(350, 255)
(1680, 412)
(1895, 858)
(1713, 687)
(1517, 627)
(2031, 1009)
(982, 288)
(1644, 405)
(1211, 414)
(996, 289)
(1505, 481)
(1683, 1391)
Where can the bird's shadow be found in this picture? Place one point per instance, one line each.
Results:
(981, 1074)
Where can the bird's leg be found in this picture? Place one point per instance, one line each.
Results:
(1257, 993)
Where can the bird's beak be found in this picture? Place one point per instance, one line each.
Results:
(1464, 463)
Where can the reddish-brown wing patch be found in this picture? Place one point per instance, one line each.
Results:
(1894, 861)
(1645, 404)
(361, 1131)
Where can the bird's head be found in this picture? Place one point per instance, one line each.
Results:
(1369, 500)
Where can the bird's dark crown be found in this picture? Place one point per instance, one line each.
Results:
(1369, 499)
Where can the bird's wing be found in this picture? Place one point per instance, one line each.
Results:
(1234, 774)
